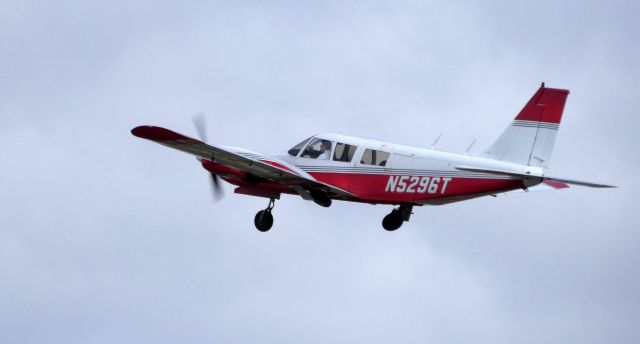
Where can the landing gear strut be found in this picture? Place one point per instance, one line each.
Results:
(264, 219)
(394, 220)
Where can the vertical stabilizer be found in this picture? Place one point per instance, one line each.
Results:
(529, 139)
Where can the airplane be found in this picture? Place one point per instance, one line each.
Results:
(330, 166)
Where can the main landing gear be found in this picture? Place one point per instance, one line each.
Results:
(264, 219)
(391, 222)
(395, 219)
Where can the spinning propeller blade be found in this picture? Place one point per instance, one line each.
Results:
(218, 191)
(200, 122)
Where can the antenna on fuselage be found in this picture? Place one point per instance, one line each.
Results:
(471, 145)
(433, 145)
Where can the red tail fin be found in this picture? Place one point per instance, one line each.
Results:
(546, 105)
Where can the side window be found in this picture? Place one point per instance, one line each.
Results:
(344, 152)
(374, 157)
(318, 149)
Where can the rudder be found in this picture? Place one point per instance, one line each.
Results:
(530, 138)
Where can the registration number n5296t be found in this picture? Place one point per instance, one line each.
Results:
(415, 184)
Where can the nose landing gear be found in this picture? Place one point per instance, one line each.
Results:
(264, 219)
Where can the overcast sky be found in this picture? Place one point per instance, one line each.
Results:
(106, 238)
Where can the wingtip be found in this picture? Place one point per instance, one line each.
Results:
(140, 130)
(150, 132)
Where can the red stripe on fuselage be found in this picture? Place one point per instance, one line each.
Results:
(376, 188)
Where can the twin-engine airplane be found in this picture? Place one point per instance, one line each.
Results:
(329, 167)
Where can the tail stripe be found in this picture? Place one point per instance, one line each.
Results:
(534, 124)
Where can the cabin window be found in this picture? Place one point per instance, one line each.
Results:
(318, 149)
(374, 157)
(344, 152)
(296, 149)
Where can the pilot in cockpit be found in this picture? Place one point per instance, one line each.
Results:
(325, 149)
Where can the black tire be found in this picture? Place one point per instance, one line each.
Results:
(263, 220)
(392, 221)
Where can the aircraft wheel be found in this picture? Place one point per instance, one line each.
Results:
(392, 221)
(263, 220)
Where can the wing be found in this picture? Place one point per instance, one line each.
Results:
(254, 163)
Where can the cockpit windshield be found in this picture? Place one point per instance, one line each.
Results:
(296, 149)
(318, 149)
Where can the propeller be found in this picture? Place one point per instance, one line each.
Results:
(218, 191)
(200, 122)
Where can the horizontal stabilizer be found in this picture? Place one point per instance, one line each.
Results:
(544, 186)
(578, 182)
(555, 185)
(522, 175)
